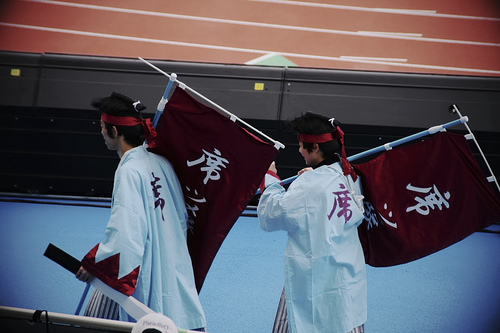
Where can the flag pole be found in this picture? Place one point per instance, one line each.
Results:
(470, 136)
(390, 145)
(278, 145)
(82, 299)
(164, 99)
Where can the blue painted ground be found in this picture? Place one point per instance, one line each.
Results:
(454, 290)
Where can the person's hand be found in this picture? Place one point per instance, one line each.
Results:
(272, 168)
(84, 275)
(304, 170)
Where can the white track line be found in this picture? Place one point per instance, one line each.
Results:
(415, 12)
(244, 50)
(374, 59)
(389, 35)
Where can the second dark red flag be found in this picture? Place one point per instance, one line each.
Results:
(422, 198)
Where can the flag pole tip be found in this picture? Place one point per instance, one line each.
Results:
(173, 77)
(464, 119)
(278, 145)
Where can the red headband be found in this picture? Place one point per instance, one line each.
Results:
(313, 138)
(149, 129)
(321, 138)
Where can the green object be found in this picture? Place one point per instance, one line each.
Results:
(272, 59)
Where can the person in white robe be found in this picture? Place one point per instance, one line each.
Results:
(325, 273)
(144, 253)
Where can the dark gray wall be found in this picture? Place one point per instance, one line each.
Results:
(50, 140)
(367, 98)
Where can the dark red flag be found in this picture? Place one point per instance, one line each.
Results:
(422, 198)
(220, 166)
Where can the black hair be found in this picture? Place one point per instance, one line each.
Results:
(123, 106)
(313, 123)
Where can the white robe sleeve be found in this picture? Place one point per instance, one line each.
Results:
(277, 207)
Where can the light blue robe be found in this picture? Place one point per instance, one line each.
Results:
(325, 273)
(148, 228)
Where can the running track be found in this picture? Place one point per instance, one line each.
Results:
(421, 36)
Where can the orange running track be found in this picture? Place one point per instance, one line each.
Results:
(458, 37)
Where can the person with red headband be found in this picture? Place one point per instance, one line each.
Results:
(144, 253)
(325, 273)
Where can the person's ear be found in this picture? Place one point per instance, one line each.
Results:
(114, 131)
(315, 147)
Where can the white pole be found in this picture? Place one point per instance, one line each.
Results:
(26, 315)
(61, 318)
(277, 144)
(492, 178)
